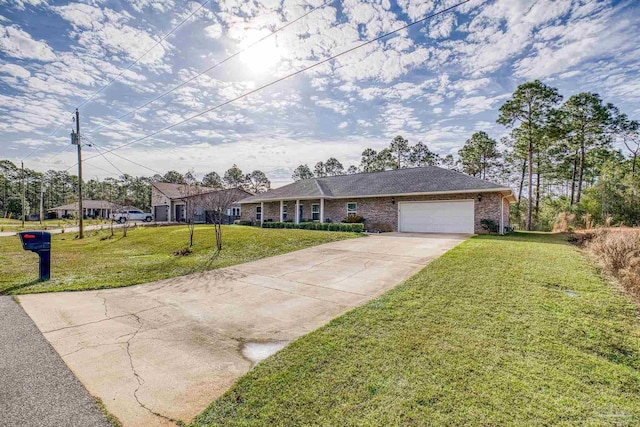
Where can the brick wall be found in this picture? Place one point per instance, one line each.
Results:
(380, 210)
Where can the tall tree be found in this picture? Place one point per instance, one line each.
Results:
(479, 154)
(530, 105)
(386, 160)
(369, 161)
(420, 155)
(352, 170)
(629, 132)
(257, 182)
(401, 150)
(174, 177)
(213, 180)
(319, 170)
(302, 172)
(333, 167)
(586, 120)
(234, 178)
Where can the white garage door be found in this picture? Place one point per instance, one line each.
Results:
(437, 217)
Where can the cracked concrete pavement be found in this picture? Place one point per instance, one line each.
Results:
(162, 351)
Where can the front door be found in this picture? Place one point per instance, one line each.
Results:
(180, 213)
(300, 213)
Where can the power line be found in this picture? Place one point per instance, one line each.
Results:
(124, 158)
(285, 77)
(163, 38)
(107, 159)
(228, 58)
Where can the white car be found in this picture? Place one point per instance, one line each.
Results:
(132, 215)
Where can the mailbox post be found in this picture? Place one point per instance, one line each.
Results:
(40, 243)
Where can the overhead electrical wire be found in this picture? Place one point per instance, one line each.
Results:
(295, 73)
(228, 58)
(95, 93)
(96, 145)
(163, 38)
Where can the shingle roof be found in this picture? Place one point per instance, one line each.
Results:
(429, 179)
(178, 191)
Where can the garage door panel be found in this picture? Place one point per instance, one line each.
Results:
(437, 217)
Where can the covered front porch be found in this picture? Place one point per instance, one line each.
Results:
(296, 211)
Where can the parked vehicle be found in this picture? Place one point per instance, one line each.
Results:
(132, 215)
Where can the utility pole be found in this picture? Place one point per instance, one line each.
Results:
(24, 193)
(42, 203)
(75, 139)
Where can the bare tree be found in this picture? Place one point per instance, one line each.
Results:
(189, 191)
(217, 203)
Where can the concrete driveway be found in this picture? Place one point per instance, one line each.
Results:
(162, 351)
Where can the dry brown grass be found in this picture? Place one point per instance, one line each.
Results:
(619, 251)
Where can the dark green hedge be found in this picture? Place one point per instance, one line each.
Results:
(355, 227)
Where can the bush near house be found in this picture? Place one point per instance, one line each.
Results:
(353, 219)
(490, 225)
(349, 227)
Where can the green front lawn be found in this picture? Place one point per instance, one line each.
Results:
(146, 254)
(517, 330)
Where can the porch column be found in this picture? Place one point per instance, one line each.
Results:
(297, 211)
(261, 213)
(281, 210)
(501, 215)
(321, 210)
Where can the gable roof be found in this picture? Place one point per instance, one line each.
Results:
(178, 191)
(423, 180)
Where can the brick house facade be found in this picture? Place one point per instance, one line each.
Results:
(379, 196)
(380, 210)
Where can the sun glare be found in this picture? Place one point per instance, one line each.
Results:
(262, 57)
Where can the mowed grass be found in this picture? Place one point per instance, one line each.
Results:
(146, 254)
(488, 334)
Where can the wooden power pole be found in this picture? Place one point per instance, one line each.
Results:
(24, 194)
(78, 141)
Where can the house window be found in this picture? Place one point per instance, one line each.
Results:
(352, 209)
(235, 211)
(284, 212)
(315, 212)
(258, 213)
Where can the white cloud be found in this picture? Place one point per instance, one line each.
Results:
(343, 125)
(17, 43)
(15, 70)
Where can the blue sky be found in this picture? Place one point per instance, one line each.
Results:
(437, 82)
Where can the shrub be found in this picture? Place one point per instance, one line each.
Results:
(353, 219)
(354, 227)
(490, 225)
(242, 222)
(619, 251)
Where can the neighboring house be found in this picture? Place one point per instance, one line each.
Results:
(428, 199)
(169, 202)
(91, 208)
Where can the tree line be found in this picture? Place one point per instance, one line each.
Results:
(60, 187)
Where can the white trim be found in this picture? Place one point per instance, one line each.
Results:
(261, 213)
(436, 201)
(488, 190)
(321, 210)
(281, 210)
(297, 211)
(355, 212)
(312, 212)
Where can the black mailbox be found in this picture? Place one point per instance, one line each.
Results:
(40, 243)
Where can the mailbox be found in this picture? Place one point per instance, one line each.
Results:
(40, 243)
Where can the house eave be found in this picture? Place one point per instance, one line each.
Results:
(507, 192)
